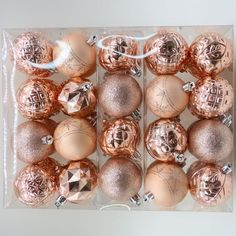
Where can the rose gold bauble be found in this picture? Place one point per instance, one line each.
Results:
(51, 124)
(75, 139)
(119, 137)
(120, 178)
(208, 184)
(211, 97)
(78, 97)
(165, 139)
(210, 140)
(74, 55)
(37, 99)
(165, 96)
(210, 54)
(32, 53)
(167, 182)
(119, 95)
(117, 53)
(165, 52)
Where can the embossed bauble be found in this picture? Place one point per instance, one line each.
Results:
(32, 54)
(211, 97)
(75, 55)
(119, 137)
(165, 139)
(37, 99)
(119, 95)
(210, 54)
(166, 52)
(209, 184)
(165, 96)
(78, 98)
(210, 140)
(75, 139)
(118, 53)
(166, 183)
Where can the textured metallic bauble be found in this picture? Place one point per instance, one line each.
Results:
(211, 97)
(166, 52)
(120, 178)
(37, 99)
(165, 96)
(210, 54)
(75, 139)
(119, 95)
(167, 182)
(210, 140)
(165, 139)
(51, 124)
(32, 54)
(119, 137)
(78, 181)
(74, 56)
(208, 184)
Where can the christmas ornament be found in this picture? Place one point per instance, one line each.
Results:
(75, 139)
(75, 55)
(78, 182)
(210, 184)
(78, 98)
(120, 179)
(210, 54)
(166, 140)
(210, 140)
(166, 52)
(165, 183)
(37, 99)
(119, 53)
(119, 95)
(165, 96)
(32, 53)
(51, 124)
(119, 137)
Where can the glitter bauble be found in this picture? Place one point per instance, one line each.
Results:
(51, 124)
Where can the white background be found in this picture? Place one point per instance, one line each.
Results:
(69, 13)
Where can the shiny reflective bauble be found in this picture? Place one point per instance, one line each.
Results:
(119, 95)
(210, 140)
(165, 139)
(211, 97)
(32, 53)
(74, 56)
(37, 99)
(165, 96)
(167, 182)
(120, 178)
(210, 54)
(119, 137)
(208, 184)
(165, 52)
(75, 139)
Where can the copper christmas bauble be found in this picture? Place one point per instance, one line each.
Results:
(51, 124)
(75, 55)
(120, 178)
(32, 142)
(119, 95)
(75, 139)
(119, 53)
(165, 52)
(210, 140)
(167, 183)
(78, 97)
(37, 99)
(211, 97)
(165, 139)
(165, 96)
(32, 53)
(208, 183)
(119, 137)
(210, 54)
